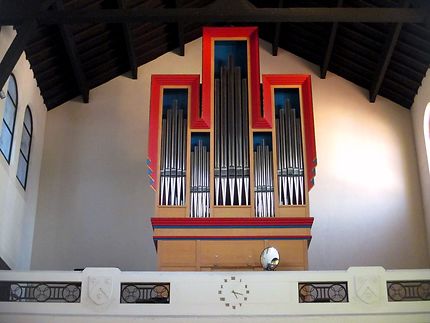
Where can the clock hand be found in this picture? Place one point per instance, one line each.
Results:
(234, 293)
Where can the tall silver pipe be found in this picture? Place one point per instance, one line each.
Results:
(184, 160)
(162, 162)
(179, 159)
(263, 175)
(279, 172)
(245, 147)
(173, 160)
(290, 156)
(173, 157)
(300, 162)
(192, 185)
(206, 181)
(231, 140)
(271, 187)
(231, 159)
(199, 181)
(224, 135)
(238, 133)
(217, 155)
(168, 155)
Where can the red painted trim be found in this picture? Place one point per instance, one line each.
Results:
(251, 34)
(207, 222)
(157, 82)
(260, 237)
(304, 81)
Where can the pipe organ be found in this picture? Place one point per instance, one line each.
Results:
(231, 160)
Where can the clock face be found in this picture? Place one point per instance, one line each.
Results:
(233, 292)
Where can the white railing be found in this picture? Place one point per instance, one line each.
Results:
(365, 293)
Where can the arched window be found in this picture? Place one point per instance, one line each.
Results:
(427, 132)
(25, 149)
(8, 124)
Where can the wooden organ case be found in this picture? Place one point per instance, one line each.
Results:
(231, 166)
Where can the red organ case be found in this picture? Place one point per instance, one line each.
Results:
(231, 160)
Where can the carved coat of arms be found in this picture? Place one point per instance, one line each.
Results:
(100, 289)
(367, 288)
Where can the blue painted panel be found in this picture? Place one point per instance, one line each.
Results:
(170, 95)
(281, 96)
(260, 136)
(204, 137)
(235, 48)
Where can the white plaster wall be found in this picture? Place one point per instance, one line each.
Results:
(18, 207)
(422, 99)
(95, 201)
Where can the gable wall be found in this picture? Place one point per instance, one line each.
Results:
(95, 201)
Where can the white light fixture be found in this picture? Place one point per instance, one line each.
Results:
(269, 258)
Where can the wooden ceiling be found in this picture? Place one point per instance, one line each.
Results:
(388, 59)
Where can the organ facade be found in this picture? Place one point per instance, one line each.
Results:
(231, 160)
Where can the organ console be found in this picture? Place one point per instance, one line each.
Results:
(231, 161)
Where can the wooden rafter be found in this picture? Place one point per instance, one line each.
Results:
(15, 51)
(330, 46)
(386, 55)
(228, 14)
(72, 52)
(126, 31)
(181, 37)
(275, 43)
(24, 33)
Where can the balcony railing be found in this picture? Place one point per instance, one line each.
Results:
(366, 292)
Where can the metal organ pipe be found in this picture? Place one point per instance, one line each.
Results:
(199, 206)
(291, 188)
(173, 157)
(263, 177)
(231, 154)
(231, 131)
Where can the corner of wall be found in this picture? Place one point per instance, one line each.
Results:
(421, 101)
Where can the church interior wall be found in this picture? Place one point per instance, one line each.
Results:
(95, 201)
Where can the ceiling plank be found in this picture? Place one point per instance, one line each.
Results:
(131, 54)
(72, 53)
(209, 15)
(385, 59)
(275, 43)
(330, 46)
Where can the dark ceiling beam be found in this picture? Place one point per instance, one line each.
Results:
(388, 50)
(330, 46)
(24, 32)
(72, 53)
(275, 43)
(181, 36)
(15, 51)
(131, 54)
(210, 15)
(424, 5)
